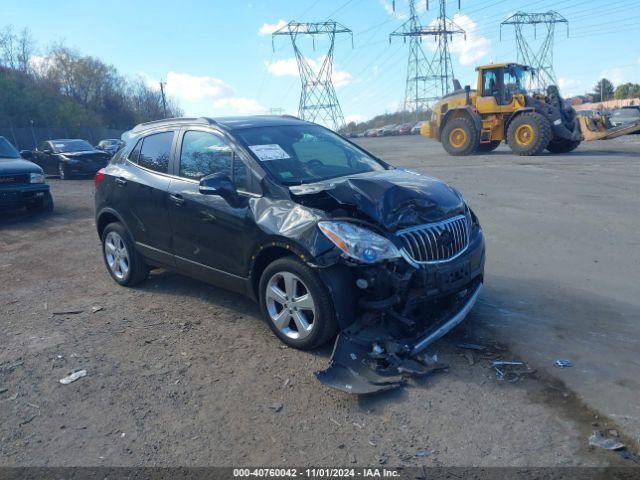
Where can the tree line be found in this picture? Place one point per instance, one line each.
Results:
(64, 88)
(606, 90)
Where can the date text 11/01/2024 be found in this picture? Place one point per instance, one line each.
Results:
(316, 472)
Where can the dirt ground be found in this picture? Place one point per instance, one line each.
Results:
(182, 373)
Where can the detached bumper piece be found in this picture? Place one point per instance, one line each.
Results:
(378, 353)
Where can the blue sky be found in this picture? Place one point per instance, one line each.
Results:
(217, 58)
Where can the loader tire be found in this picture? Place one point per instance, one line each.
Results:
(561, 145)
(460, 137)
(489, 147)
(529, 134)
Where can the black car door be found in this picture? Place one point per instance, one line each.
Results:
(141, 190)
(210, 236)
(45, 158)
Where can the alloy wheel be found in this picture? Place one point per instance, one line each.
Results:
(290, 305)
(117, 255)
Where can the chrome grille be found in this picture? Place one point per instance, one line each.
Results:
(436, 242)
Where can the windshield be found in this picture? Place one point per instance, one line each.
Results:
(306, 153)
(68, 146)
(7, 150)
(626, 113)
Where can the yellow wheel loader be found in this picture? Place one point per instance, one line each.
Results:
(500, 109)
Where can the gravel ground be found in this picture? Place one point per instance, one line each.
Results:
(182, 373)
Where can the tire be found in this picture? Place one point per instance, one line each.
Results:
(44, 205)
(488, 147)
(63, 171)
(529, 134)
(460, 137)
(320, 318)
(561, 145)
(136, 271)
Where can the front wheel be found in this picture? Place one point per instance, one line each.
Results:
(296, 304)
(529, 134)
(460, 137)
(561, 145)
(63, 171)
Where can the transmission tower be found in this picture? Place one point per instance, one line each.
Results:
(427, 80)
(540, 54)
(318, 100)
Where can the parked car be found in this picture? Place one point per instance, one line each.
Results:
(109, 145)
(387, 130)
(625, 116)
(405, 129)
(323, 234)
(67, 157)
(22, 183)
(415, 130)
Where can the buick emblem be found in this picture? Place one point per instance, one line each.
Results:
(445, 239)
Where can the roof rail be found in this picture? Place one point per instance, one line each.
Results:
(178, 120)
(286, 115)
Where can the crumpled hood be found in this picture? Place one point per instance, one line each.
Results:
(393, 198)
(87, 155)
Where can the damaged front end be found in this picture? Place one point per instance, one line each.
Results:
(390, 311)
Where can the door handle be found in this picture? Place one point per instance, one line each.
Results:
(121, 181)
(177, 199)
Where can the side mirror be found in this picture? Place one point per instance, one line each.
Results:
(221, 185)
(26, 154)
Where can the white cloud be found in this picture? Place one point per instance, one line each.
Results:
(474, 47)
(193, 88)
(269, 28)
(205, 95)
(289, 67)
(240, 105)
(570, 87)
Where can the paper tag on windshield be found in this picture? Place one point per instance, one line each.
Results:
(269, 152)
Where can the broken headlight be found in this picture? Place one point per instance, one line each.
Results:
(359, 243)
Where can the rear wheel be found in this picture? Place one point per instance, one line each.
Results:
(296, 304)
(489, 147)
(460, 137)
(529, 134)
(561, 145)
(126, 266)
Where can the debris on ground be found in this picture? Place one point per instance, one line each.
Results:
(563, 363)
(276, 407)
(67, 312)
(96, 309)
(506, 370)
(73, 376)
(598, 440)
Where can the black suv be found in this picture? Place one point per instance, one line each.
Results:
(67, 157)
(323, 234)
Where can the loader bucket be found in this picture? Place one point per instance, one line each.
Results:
(593, 128)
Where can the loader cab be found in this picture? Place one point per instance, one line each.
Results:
(501, 87)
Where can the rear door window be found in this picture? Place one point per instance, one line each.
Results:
(155, 152)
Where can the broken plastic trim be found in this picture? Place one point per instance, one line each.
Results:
(361, 364)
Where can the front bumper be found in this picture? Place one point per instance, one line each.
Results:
(403, 310)
(79, 167)
(17, 196)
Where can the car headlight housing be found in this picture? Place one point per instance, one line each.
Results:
(36, 178)
(358, 242)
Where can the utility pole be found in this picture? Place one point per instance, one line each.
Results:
(318, 99)
(427, 80)
(540, 57)
(164, 100)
